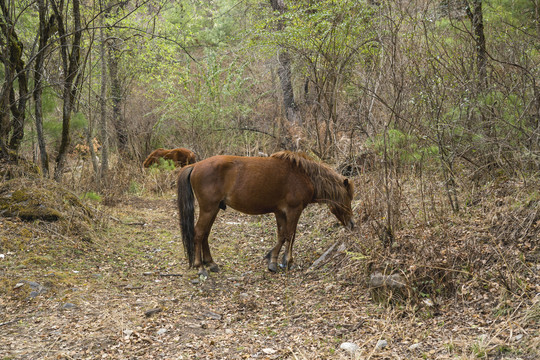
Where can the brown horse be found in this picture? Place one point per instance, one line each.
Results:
(180, 156)
(283, 184)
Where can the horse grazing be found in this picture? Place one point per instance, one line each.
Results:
(180, 156)
(283, 184)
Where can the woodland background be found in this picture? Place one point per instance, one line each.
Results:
(449, 86)
(431, 107)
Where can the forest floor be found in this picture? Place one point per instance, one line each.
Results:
(125, 292)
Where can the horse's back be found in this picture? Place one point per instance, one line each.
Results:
(253, 185)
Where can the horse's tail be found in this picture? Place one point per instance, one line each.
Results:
(186, 210)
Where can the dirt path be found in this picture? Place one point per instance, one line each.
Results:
(127, 294)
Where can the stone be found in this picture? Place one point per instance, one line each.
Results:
(518, 337)
(151, 312)
(34, 285)
(388, 288)
(378, 280)
(381, 344)
(212, 315)
(350, 347)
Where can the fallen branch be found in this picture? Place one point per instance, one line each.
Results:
(323, 257)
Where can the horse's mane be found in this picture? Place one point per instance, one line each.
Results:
(328, 184)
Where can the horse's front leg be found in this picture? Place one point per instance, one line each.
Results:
(273, 254)
(292, 222)
(287, 259)
(268, 256)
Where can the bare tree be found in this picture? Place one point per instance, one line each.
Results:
(117, 96)
(45, 27)
(477, 20)
(103, 110)
(71, 81)
(15, 70)
(284, 72)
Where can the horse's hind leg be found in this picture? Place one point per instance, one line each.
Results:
(206, 255)
(202, 250)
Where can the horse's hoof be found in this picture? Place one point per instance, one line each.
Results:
(214, 267)
(203, 274)
(272, 267)
(287, 266)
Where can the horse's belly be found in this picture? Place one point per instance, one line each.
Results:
(252, 206)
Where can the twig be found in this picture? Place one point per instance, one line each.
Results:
(134, 223)
(141, 223)
(53, 344)
(163, 274)
(9, 322)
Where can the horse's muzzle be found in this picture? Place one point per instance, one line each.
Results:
(350, 225)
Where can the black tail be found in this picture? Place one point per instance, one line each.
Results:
(186, 210)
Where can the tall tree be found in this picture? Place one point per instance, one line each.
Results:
(103, 109)
(476, 17)
(117, 95)
(45, 29)
(71, 54)
(15, 71)
(284, 71)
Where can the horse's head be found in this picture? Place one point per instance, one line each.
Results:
(343, 210)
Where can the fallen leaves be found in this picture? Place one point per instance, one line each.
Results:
(135, 302)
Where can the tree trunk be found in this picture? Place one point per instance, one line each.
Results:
(12, 57)
(9, 74)
(70, 64)
(477, 21)
(284, 73)
(103, 111)
(4, 110)
(116, 94)
(44, 32)
(18, 105)
(536, 117)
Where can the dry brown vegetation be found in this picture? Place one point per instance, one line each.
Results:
(122, 290)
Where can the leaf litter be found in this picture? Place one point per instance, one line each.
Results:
(126, 306)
